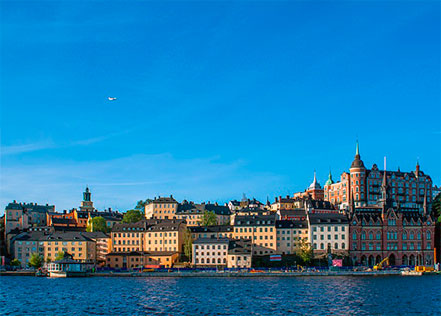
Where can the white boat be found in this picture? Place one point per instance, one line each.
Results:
(411, 273)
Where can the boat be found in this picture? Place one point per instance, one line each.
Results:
(411, 273)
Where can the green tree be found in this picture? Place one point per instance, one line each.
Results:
(304, 250)
(97, 224)
(15, 263)
(209, 219)
(132, 216)
(36, 261)
(59, 256)
(188, 244)
(140, 205)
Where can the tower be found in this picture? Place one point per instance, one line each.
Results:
(315, 189)
(87, 204)
(357, 181)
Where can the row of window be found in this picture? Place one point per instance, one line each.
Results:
(322, 237)
(329, 228)
(208, 247)
(244, 230)
(392, 235)
(336, 246)
(211, 260)
(391, 246)
(224, 253)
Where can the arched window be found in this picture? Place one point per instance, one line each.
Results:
(322, 246)
(363, 235)
(404, 236)
(378, 236)
(342, 245)
(336, 245)
(419, 235)
(354, 236)
(371, 236)
(411, 235)
(428, 235)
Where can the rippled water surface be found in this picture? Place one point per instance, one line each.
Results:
(392, 295)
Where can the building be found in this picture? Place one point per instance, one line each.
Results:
(193, 213)
(363, 186)
(27, 243)
(314, 191)
(111, 217)
(210, 252)
(261, 230)
(217, 231)
(235, 205)
(24, 215)
(328, 233)
(81, 247)
(141, 259)
(161, 208)
(406, 238)
(289, 234)
(240, 254)
(102, 245)
(151, 235)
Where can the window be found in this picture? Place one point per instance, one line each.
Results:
(428, 235)
(354, 236)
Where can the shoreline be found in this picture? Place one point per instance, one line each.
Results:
(228, 274)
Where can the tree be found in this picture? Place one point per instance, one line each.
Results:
(36, 261)
(209, 219)
(132, 216)
(188, 244)
(140, 206)
(304, 250)
(97, 224)
(59, 256)
(15, 263)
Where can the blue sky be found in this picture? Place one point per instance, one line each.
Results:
(215, 99)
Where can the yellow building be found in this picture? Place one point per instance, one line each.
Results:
(141, 259)
(149, 235)
(161, 208)
(261, 229)
(75, 243)
(217, 231)
(193, 213)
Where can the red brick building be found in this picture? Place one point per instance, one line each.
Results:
(407, 189)
(407, 238)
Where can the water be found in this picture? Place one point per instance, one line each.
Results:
(391, 295)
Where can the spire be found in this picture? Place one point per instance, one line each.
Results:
(315, 184)
(329, 181)
(357, 163)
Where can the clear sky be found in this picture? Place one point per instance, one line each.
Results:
(214, 99)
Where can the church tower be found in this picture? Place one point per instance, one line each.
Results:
(87, 204)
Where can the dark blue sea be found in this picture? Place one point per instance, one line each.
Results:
(388, 295)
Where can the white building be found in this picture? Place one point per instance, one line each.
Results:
(210, 252)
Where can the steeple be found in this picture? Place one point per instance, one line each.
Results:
(384, 184)
(357, 163)
(315, 184)
(417, 169)
(329, 181)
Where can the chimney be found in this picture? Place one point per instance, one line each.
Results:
(276, 199)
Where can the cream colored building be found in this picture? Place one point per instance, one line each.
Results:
(210, 252)
(329, 232)
(161, 208)
(239, 254)
(289, 234)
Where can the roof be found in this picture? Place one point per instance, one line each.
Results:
(95, 235)
(67, 236)
(30, 207)
(35, 236)
(211, 229)
(291, 224)
(67, 221)
(149, 225)
(211, 241)
(239, 247)
(255, 220)
(163, 200)
(298, 212)
(328, 218)
(140, 253)
(194, 208)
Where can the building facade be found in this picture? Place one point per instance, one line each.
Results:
(161, 208)
(210, 252)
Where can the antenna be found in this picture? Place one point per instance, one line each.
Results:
(384, 163)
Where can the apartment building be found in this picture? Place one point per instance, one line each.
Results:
(161, 208)
(210, 252)
(289, 234)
